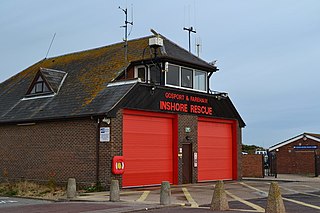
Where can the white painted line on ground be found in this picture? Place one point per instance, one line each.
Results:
(286, 199)
(318, 189)
(7, 201)
(302, 203)
(298, 192)
(252, 205)
(189, 198)
(144, 196)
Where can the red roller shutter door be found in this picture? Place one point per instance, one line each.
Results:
(215, 151)
(147, 150)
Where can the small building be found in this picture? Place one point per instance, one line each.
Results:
(298, 155)
(93, 115)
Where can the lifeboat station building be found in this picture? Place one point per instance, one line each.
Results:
(95, 116)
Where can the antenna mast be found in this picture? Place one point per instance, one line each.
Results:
(198, 46)
(191, 30)
(125, 26)
(50, 45)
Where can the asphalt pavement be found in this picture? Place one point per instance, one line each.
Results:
(300, 194)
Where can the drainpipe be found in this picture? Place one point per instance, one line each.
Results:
(97, 151)
(208, 82)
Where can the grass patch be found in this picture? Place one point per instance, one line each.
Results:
(30, 189)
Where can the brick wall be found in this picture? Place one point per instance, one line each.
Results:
(292, 161)
(66, 148)
(252, 165)
(116, 145)
(192, 122)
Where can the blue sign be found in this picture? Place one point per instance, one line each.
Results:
(306, 147)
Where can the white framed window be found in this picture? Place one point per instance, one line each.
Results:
(140, 72)
(187, 78)
(173, 75)
(152, 71)
(200, 80)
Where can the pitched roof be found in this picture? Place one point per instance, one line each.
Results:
(88, 72)
(312, 136)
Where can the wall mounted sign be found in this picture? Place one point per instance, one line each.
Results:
(176, 102)
(104, 134)
(195, 159)
(306, 147)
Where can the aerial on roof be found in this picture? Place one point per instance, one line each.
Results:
(80, 79)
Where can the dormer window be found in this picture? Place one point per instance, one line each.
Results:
(46, 83)
(40, 86)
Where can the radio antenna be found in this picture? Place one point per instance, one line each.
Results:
(125, 26)
(198, 44)
(191, 30)
(50, 45)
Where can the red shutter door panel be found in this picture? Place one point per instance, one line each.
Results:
(147, 150)
(215, 151)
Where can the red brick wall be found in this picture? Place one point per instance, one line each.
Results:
(252, 165)
(66, 148)
(292, 161)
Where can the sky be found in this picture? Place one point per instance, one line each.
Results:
(268, 51)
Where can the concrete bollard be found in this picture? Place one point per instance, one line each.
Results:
(219, 200)
(114, 191)
(275, 202)
(165, 193)
(71, 188)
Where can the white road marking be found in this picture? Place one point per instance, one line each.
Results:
(7, 201)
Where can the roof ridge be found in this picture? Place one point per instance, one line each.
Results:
(96, 48)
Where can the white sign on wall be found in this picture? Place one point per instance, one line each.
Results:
(195, 159)
(104, 134)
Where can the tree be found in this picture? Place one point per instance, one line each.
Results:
(250, 149)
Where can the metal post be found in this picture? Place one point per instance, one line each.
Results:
(316, 174)
(275, 165)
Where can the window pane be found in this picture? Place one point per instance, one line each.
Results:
(186, 77)
(200, 80)
(154, 74)
(173, 75)
(45, 88)
(142, 74)
(38, 87)
(39, 79)
(33, 90)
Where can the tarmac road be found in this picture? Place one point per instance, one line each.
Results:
(244, 196)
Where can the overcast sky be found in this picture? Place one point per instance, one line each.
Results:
(268, 51)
